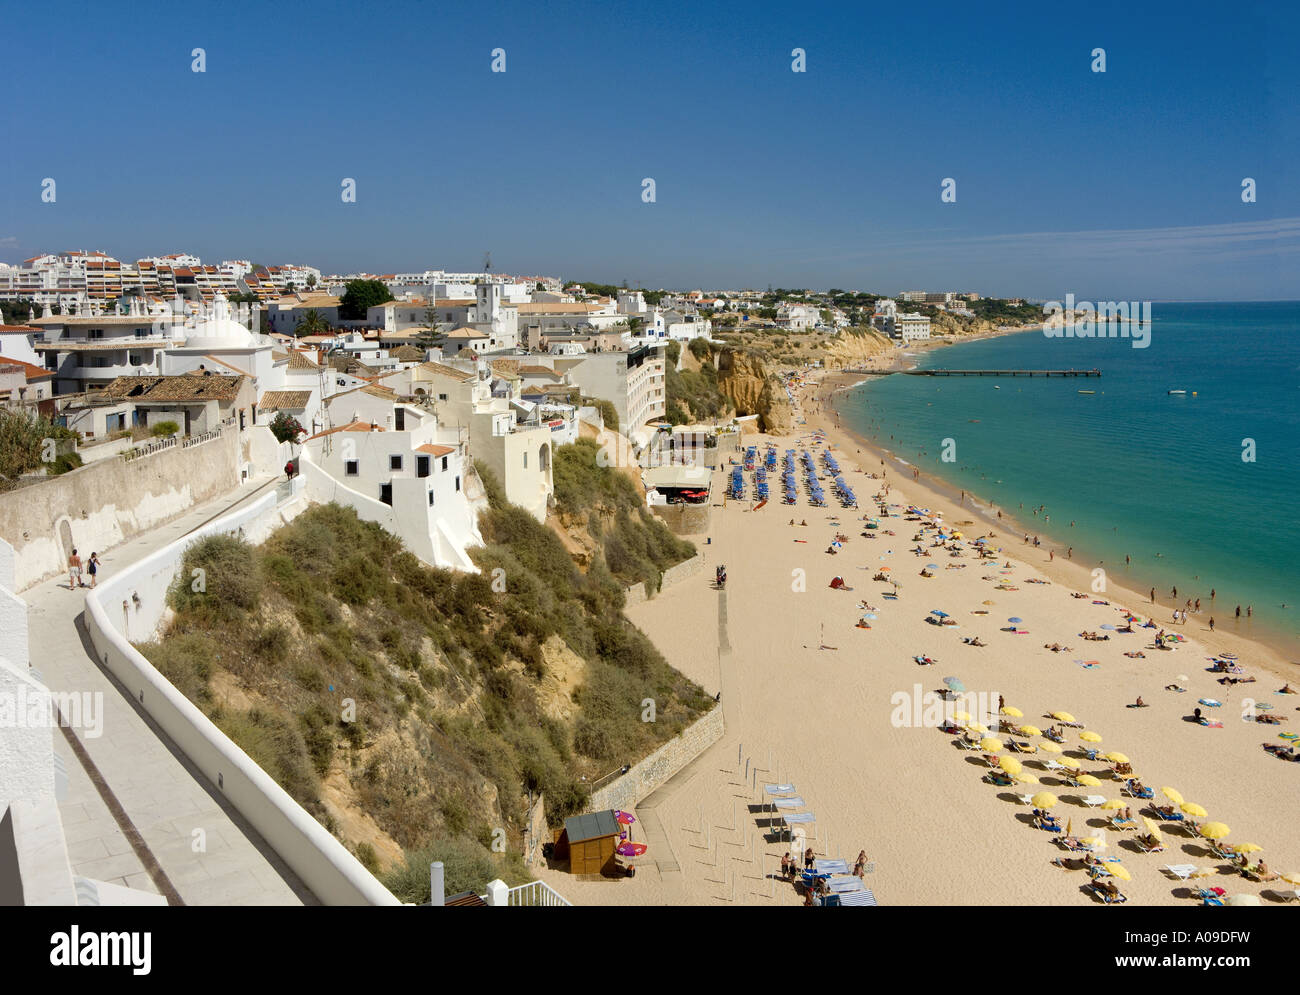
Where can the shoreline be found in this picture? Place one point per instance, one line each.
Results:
(1267, 650)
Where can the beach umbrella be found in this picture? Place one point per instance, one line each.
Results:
(989, 602)
(961, 716)
(1247, 848)
(870, 615)
(991, 743)
(1204, 872)
(1013, 711)
(1244, 899)
(954, 684)
(977, 727)
(631, 849)
(1089, 737)
(1114, 805)
(935, 611)
(1111, 627)
(1291, 877)
(1010, 764)
(1194, 810)
(1119, 871)
(1063, 717)
(1070, 762)
(1024, 777)
(623, 818)
(1044, 799)
(1214, 830)
(1049, 747)
(934, 566)
(1032, 731)
(1014, 620)
(1088, 780)
(1153, 827)
(1116, 757)
(1173, 795)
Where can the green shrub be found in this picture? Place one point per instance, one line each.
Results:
(164, 429)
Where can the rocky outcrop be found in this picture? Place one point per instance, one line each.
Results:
(745, 381)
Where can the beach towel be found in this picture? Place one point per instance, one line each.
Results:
(1087, 666)
(1210, 702)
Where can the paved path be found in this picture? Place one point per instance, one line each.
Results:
(136, 812)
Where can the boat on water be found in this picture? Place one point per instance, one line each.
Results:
(1087, 392)
(1178, 392)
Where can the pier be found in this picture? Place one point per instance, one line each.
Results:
(1003, 373)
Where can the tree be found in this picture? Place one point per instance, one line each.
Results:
(313, 323)
(429, 335)
(285, 427)
(18, 312)
(25, 444)
(311, 280)
(361, 295)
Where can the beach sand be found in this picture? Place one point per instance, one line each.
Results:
(809, 698)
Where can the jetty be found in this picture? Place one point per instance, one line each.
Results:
(1002, 373)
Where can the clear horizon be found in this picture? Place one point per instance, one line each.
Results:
(1127, 182)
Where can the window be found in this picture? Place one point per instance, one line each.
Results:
(525, 461)
(431, 497)
(141, 333)
(422, 466)
(386, 494)
(395, 462)
(351, 467)
(458, 485)
(399, 419)
(442, 397)
(444, 462)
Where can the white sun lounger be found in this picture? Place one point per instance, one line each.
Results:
(1053, 765)
(831, 866)
(778, 789)
(845, 885)
(863, 897)
(788, 803)
(1092, 801)
(1025, 799)
(1181, 871)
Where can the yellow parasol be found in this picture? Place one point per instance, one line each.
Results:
(1153, 827)
(1114, 805)
(1194, 810)
(1070, 762)
(1247, 848)
(1245, 899)
(991, 743)
(1116, 757)
(1063, 717)
(1291, 877)
(977, 727)
(1088, 736)
(1024, 777)
(1013, 711)
(1087, 780)
(1047, 746)
(989, 602)
(961, 716)
(1044, 799)
(1204, 872)
(1214, 830)
(1173, 795)
(1011, 765)
(1119, 871)
(1069, 827)
(1030, 731)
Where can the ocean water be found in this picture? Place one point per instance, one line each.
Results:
(1137, 471)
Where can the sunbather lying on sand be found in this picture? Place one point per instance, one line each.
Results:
(1286, 689)
(973, 641)
(1137, 656)
(1175, 687)
(1271, 720)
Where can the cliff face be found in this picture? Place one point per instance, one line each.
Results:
(745, 380)
(848, 350)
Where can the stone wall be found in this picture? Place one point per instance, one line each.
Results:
(635, 593)
(657, 768)
(683, 519)
(105, 503)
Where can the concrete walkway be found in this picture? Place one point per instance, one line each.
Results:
(136, 812)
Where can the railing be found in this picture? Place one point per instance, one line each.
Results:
(535, 894)
(139, 452)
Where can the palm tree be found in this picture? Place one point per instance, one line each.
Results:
(313, 323)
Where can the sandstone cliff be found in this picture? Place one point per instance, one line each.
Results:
(745, 381)
(848, 349)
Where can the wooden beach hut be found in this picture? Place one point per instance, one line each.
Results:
(589, 841)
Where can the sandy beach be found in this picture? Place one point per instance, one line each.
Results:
(813, 700)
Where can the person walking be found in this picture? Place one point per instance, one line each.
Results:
(1211, 623)
(93, 567)
(74, 571)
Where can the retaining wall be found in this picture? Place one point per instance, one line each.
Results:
(657, 768)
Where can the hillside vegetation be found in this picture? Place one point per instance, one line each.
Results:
(415, 711)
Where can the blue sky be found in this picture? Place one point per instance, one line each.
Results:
(1123, 184)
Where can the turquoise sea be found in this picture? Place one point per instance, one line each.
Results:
(1139, 472)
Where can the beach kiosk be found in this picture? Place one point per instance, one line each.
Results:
(589, 841)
